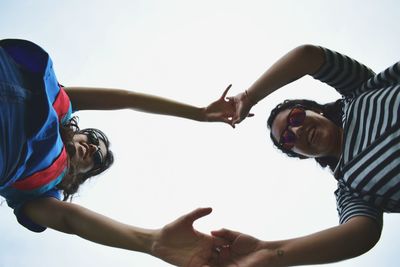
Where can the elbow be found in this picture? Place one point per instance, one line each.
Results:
(363, 248)
(369, 242)
(308, 48)
(313, 56)
(366, 235)
(310, 51)
(67, 223)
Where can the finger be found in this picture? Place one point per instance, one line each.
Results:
(226, 91)
(236, 120)
(228, 121)
(226, 234)
(213, 260)
(196, 214)
(230, 99)
(224, 254)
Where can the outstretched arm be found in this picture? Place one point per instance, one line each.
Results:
(303, 60)
(177, 243)
(345, 241)
(84, 98)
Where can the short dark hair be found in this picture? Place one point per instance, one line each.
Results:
(332, 111)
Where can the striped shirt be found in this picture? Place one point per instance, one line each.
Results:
(368, 172)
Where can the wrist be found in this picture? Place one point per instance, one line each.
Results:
(250, 98)
(202, 114)
(274, 254)
(144, 241)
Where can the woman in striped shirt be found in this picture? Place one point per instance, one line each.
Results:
(357, 137)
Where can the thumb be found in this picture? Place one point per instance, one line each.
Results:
(226, 92)
(196, 214)
(226, 234)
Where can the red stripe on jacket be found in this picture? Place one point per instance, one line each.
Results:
(61, 104)
(44, 176)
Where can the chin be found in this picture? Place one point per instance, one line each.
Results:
(71, 149)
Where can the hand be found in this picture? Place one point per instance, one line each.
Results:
(242, 105)
(180, 244)
(221, 110)
(242, 250)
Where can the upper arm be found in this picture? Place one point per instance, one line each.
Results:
(313, 56)
(49, 212)
(79, 97)
(366, 232)
(87, 98)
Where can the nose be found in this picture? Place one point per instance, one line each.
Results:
(92, 149)
(297, 130)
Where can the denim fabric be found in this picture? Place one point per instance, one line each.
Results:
(14, 102)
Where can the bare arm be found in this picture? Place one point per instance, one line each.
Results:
(345, 241)
(301, 61)
(74, 219)
(177, 242)
(85, 98)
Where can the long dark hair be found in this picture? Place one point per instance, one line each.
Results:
(331, 111)
(72, 181)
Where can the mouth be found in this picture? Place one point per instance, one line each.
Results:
(71, 149)
(84, 151)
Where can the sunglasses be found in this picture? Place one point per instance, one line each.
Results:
(294, 119)
(94, 140)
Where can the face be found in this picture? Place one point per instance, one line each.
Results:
(90, 152)
(309, 134)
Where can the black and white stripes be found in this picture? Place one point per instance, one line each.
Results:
(369, 169)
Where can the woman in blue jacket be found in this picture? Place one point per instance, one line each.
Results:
(45, 157)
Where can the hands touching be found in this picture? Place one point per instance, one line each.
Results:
(242, 104)
(221, 110)
(231, 110)
(180, 244)
(242, 250)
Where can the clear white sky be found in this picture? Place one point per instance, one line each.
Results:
(190, 51)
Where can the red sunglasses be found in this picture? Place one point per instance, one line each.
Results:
(294, 119)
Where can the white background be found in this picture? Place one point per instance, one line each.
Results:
(190, 51)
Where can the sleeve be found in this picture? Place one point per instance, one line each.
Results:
(29, 224)
(386, 78)
(349, 206)
(343, 73)
(64, 106)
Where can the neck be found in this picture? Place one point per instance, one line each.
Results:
(338, 147)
